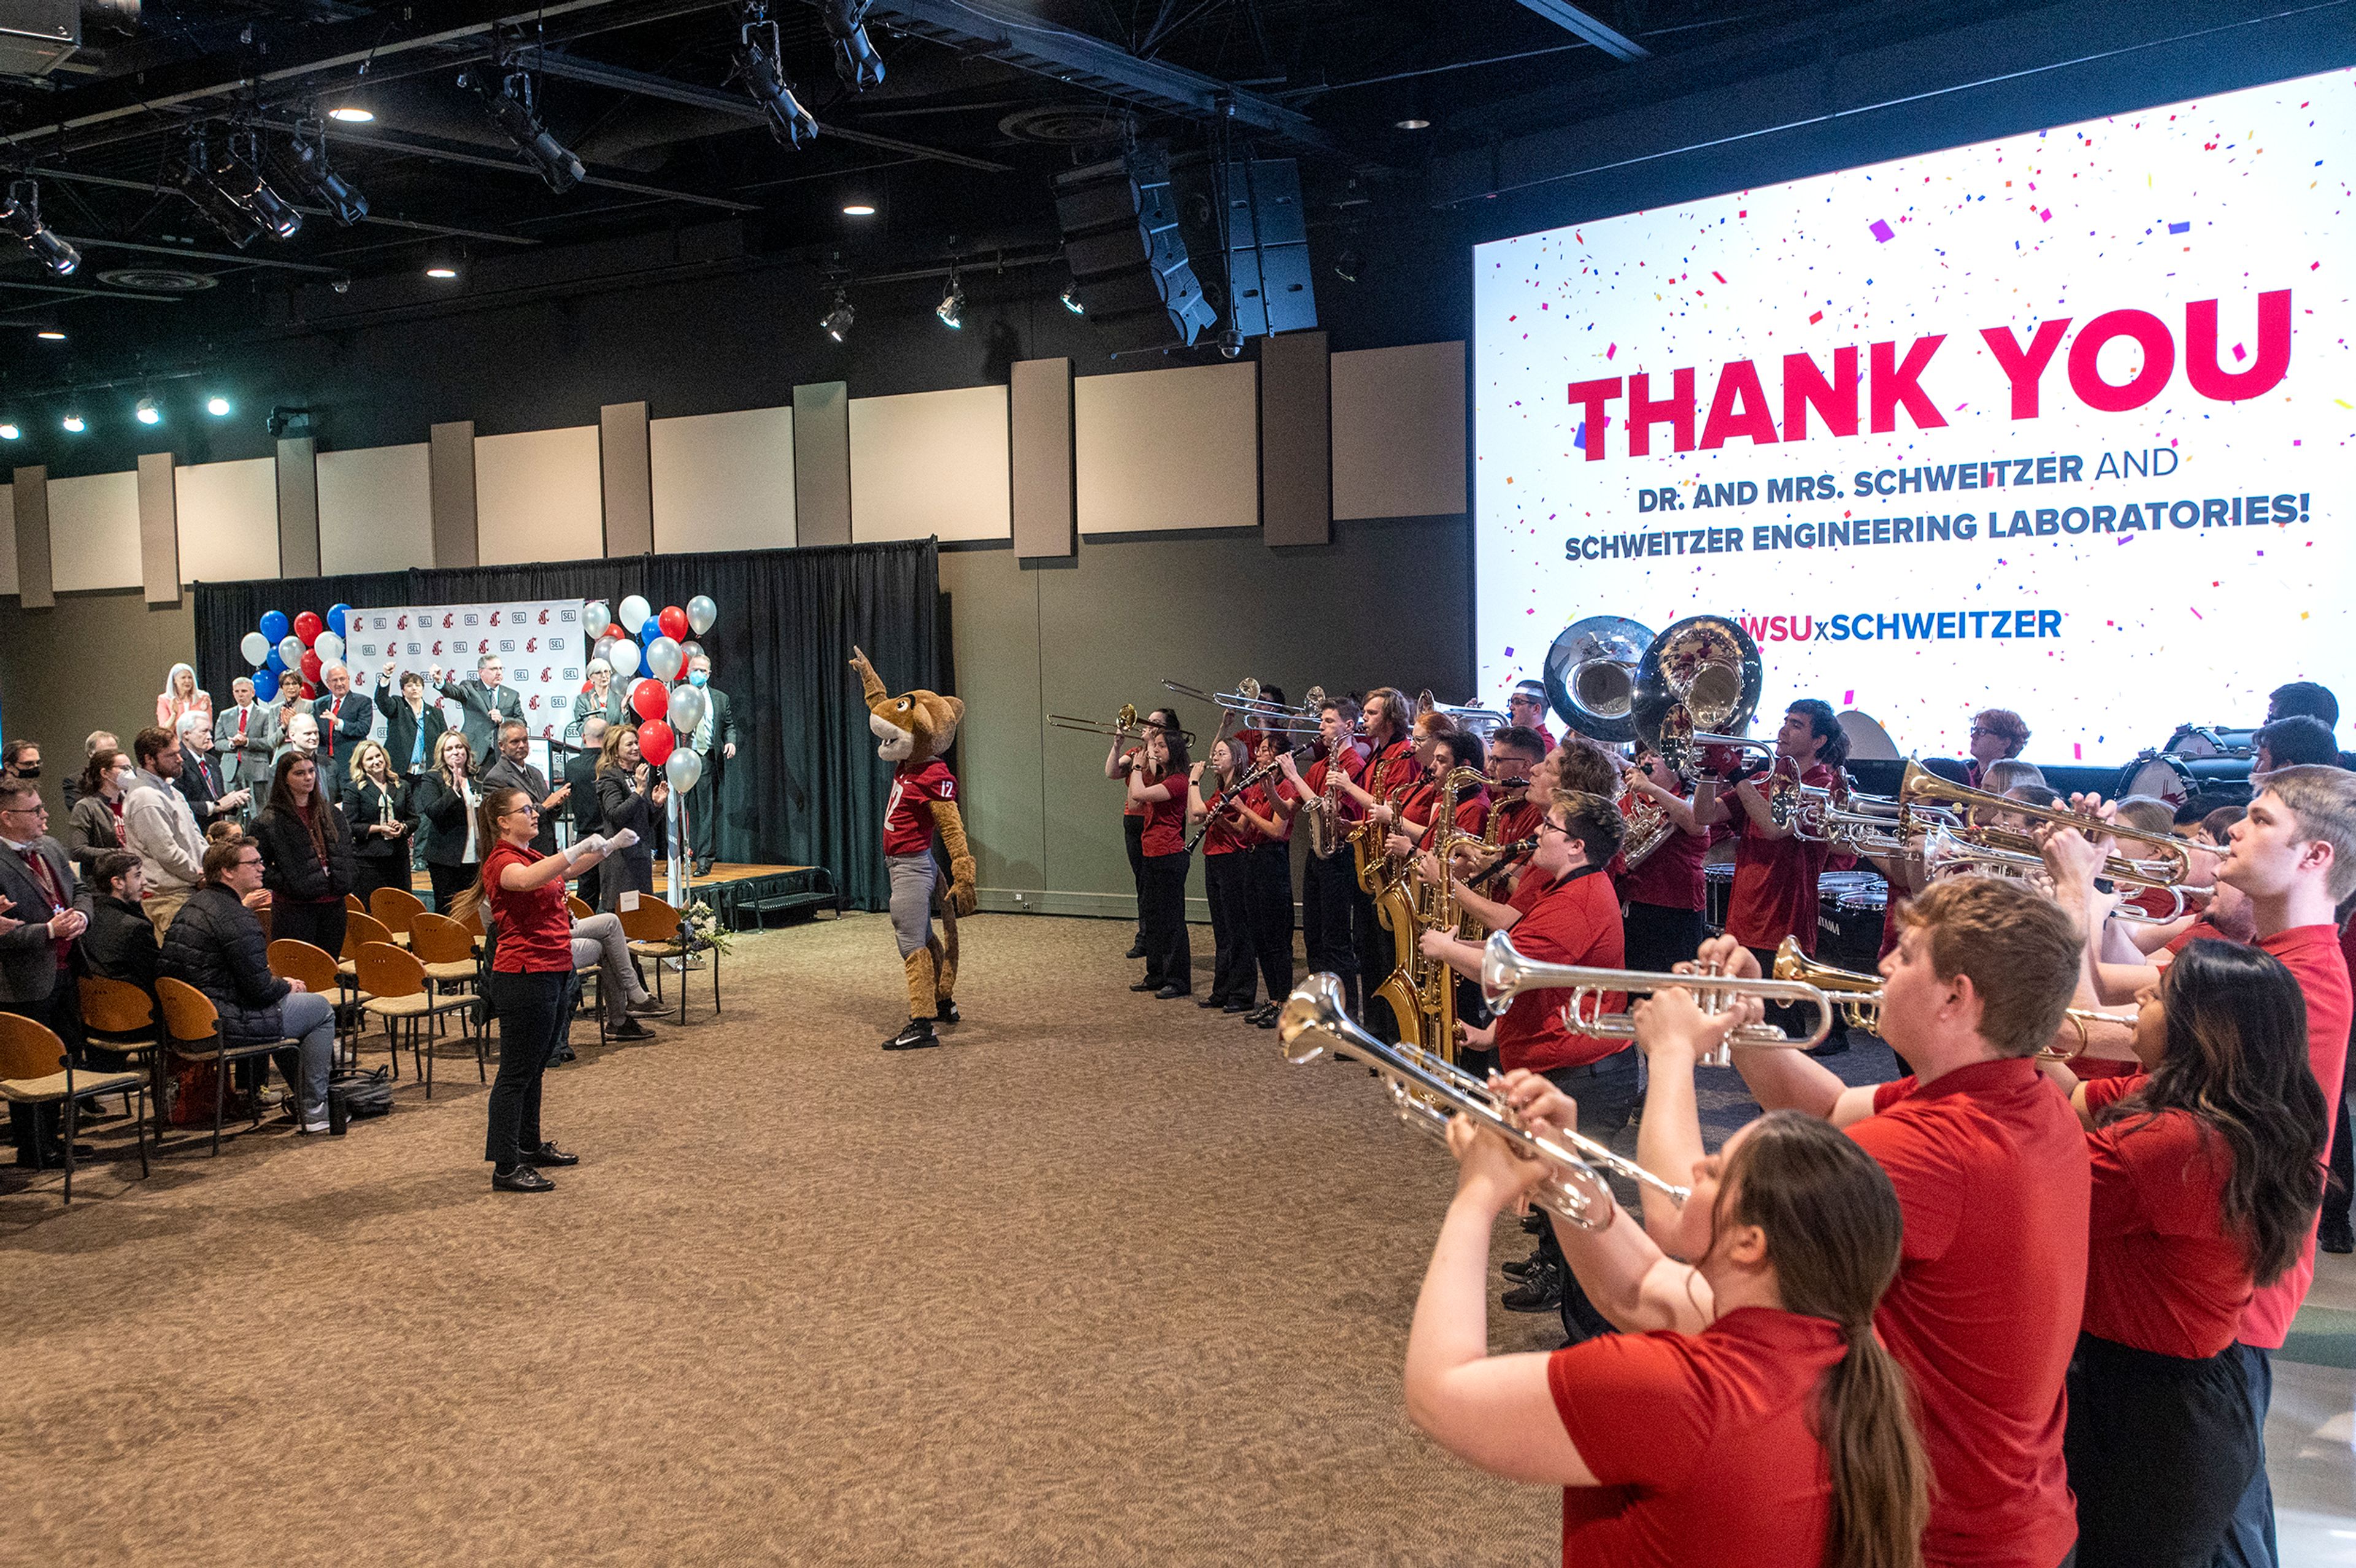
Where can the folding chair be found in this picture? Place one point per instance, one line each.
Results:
(192, 1030)
(654, 935)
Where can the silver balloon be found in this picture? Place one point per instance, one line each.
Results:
(595, 619)
(635, 610)
(290, 651)
(683, 768)
(329, 647)
(686, 710)
(624, 657)
(256, 649)
(662, 659)
(701, 613)
(689, 652)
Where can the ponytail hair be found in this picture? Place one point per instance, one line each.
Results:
(1833, 1228)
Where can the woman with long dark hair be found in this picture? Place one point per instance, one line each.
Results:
(1159, 783)
(2207, 1178)
(307, 856)
(1126, 755)
(631, 794)
(1227, 842)
(1768, 1426)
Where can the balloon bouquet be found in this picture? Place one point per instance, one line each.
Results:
(281, 651)
(668, 708)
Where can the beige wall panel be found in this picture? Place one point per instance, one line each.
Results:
(376, 508)
(8, 538)
(94, 532)
(931, 463)
(229, 520)
(724, 481)
(1167, 449)
(1398, 431)
(538, 497)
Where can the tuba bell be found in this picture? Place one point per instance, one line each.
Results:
(1697, 686)
(1590, 675)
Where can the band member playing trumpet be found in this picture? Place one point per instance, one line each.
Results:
(1329, 886)
(1662, 896)
(1127, 753)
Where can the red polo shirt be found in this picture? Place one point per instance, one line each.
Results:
(1574, 920)
(1165, 820)
(1472, 816)
(1262, 797)
(1354, 768)
(1670, 876)
(2162, 1275)
(1774, 894)
(1990, 1163)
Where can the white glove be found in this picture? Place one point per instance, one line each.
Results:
(621, 841)
(581, 847)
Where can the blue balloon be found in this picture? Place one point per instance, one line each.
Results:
(336, 618)
(265, 681)
(649, 630)
(274, 625)
(274, 666)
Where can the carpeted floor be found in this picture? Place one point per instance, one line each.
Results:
(1103, 1281)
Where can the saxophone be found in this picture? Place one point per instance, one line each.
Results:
(1325, 810)
(1422, 991)
(1648, 826)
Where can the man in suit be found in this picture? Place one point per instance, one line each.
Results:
(413, 724)
(512, 768)
(301, 734)
(243, 738)
(581, 778)
(38, 923)
(345, 719)
(715, 741)
(208, 794)
(487, 704)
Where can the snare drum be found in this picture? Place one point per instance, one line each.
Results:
(2162, 774)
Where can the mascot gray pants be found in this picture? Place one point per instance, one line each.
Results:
(930, 959)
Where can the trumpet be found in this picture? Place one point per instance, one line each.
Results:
(1505, 974)
(1961, 848)
(1428, 1093)
(1859, 997)
(2171, 864)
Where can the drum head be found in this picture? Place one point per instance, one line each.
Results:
(1866, 738)
(2159, 775)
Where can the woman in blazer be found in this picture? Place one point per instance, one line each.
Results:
(446, 801)
(413, 723)
(376, 804)
(631, 793)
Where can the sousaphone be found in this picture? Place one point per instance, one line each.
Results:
(1590, 675)
(1697, 686)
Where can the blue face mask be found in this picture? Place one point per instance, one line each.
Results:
(698, 676)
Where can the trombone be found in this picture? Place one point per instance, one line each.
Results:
(1505, 974)
(1124, 727)
(1246, 703)
(1859, 997)
(1428, 1093)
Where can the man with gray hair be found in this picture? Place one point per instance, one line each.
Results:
(208, 794)
(512, 768)
(245, 735)
(91, 745)
(485, 702)
(344, 719)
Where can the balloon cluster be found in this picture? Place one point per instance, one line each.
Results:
(283, 651)
(668, 711)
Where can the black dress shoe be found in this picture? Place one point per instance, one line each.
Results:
(1244, 1005)
(548, 1154)
(1136, 949)
(1172, 993)
(703, 868)
(629, 1028)
(947, 1013)
(1267, 1019)
(1535, 1223)
(522, 1179)
(1147, 985)
(1213, 1001)
(915, 1037)
(2336, 1237)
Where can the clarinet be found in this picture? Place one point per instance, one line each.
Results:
(1212, 807)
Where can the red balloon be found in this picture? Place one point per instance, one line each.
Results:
(309, 691)
(674, 622)
(656, 741)
(308, 626)
(310, 669)
(648, 699)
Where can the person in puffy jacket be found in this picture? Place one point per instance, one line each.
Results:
(307, 856)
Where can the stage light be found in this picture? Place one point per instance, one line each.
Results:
(306, 158)
(223, 182)
(9, 432)
(1412, 123)
(855, 59)
(440, 271)
(1070, 296)
(511, 107)
(73, 423)
(50, 335)
(351, 114)
(858, 209)
(147, 413)
(837, 321)
(21, 217)
(952, 309)
(762, 64)
(216, 406)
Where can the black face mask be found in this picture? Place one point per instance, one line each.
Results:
(32, 773)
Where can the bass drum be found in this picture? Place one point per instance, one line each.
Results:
(2175, 778)
(2202, 742)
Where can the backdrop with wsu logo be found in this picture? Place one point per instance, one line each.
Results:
(538, 641)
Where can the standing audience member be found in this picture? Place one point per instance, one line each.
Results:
(158, 827)
(599, 699)
(300, 737)
(1997, 735)
(217, 945)
(307, 857)
(345, 719)
(376, 808)
(97, 740)
(21, 760)
(588, 816)
(445, 802)
(291, 701)
(208, 789)
(630, 797)
(715, 740)
(486, 703)
(37, 927)
(512, 768)
(412, 725)
(244, 736)
(95, 826)
(181, 697)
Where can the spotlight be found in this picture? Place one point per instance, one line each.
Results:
(223, 182)
(858, 209)
(763, 66)
(21, 217)
(50, 335)
(73, 423)
(307, 158)
(1071, 298)
(952, 309)
(284, 420)
(441, 270)
(216, 406)
(510, 108)
(351, 115)
(1412, 123)
(837, 321)
(855, 59)
(9, 432)
(147, 413)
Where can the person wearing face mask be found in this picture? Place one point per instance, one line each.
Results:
(715, 740)
(95, 829)
(21, 760)
(94, 743)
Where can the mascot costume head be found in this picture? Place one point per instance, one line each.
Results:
(914, 732)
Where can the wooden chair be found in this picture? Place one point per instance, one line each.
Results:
(577, 906)
(353, 904)
(359, 930)
(192, 1030)
(653, 932)
(394, 908)
(121, 1018)
(447, 950)
(320, 972)
(35, 1071)
(398, 993)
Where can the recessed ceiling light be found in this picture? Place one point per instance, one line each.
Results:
(441, 271)
(9, 432)
(216, 406)
(50, 335)
(858, 209)
(351, 115)
(74, 423)
(1412, 125)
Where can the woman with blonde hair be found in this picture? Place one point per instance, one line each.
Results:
(181, 697)
(376, 804)
(631, 793)
(447, 801)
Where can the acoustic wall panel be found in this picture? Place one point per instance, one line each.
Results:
(229, 520)
(376, 508)
(822, 463)
(724, 481)
(626, 485)
(298, 506)
(1296, 439)
(538, 497)
(94, 532)
(1167, 449)
(931, 464)
(1040, 392)
(8, 538)
(1398, 431)
(28, 506)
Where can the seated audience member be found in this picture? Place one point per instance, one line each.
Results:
(217, 945)
(307, 856)
(94, 826)
(2295, 741)
(158, 825)
(2303, 697)
(1997, 734)
(180, 698)
(97, 740)
(38, 927)
(120, 941)
(202, 777)
(223, 833)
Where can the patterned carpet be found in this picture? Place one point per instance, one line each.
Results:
(1104, 1281)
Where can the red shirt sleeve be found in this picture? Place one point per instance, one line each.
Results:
(1634, 1407)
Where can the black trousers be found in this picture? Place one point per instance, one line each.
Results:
(321, 925)
(1226, 882)
(1658, 937)
(1608, 1093)
(1162, 912)
(1377, 957)
(1269, 876)
(374, 871)
(449, 881)
(61, 1013)
(703, 812)
(2337, 1190)
(1132, 830)
(1328, 890)
(533, 1014)
(2160, 1449)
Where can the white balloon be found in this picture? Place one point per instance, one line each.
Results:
(689, 651)
(701, 613)
(683, 768)
(662, 659)
(686, 710)
(635, 610)
(256, 649)
(624, 657)
(595, 619)
(328, 646)
(290, 651)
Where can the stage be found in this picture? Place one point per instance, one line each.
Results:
(745, 897)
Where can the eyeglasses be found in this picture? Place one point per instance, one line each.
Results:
(527, 810)
(38, 808)
(243, 863)
(1551, 826)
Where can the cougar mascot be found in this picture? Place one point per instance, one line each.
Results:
(913, 731)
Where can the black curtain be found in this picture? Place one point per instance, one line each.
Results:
(805, 787)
